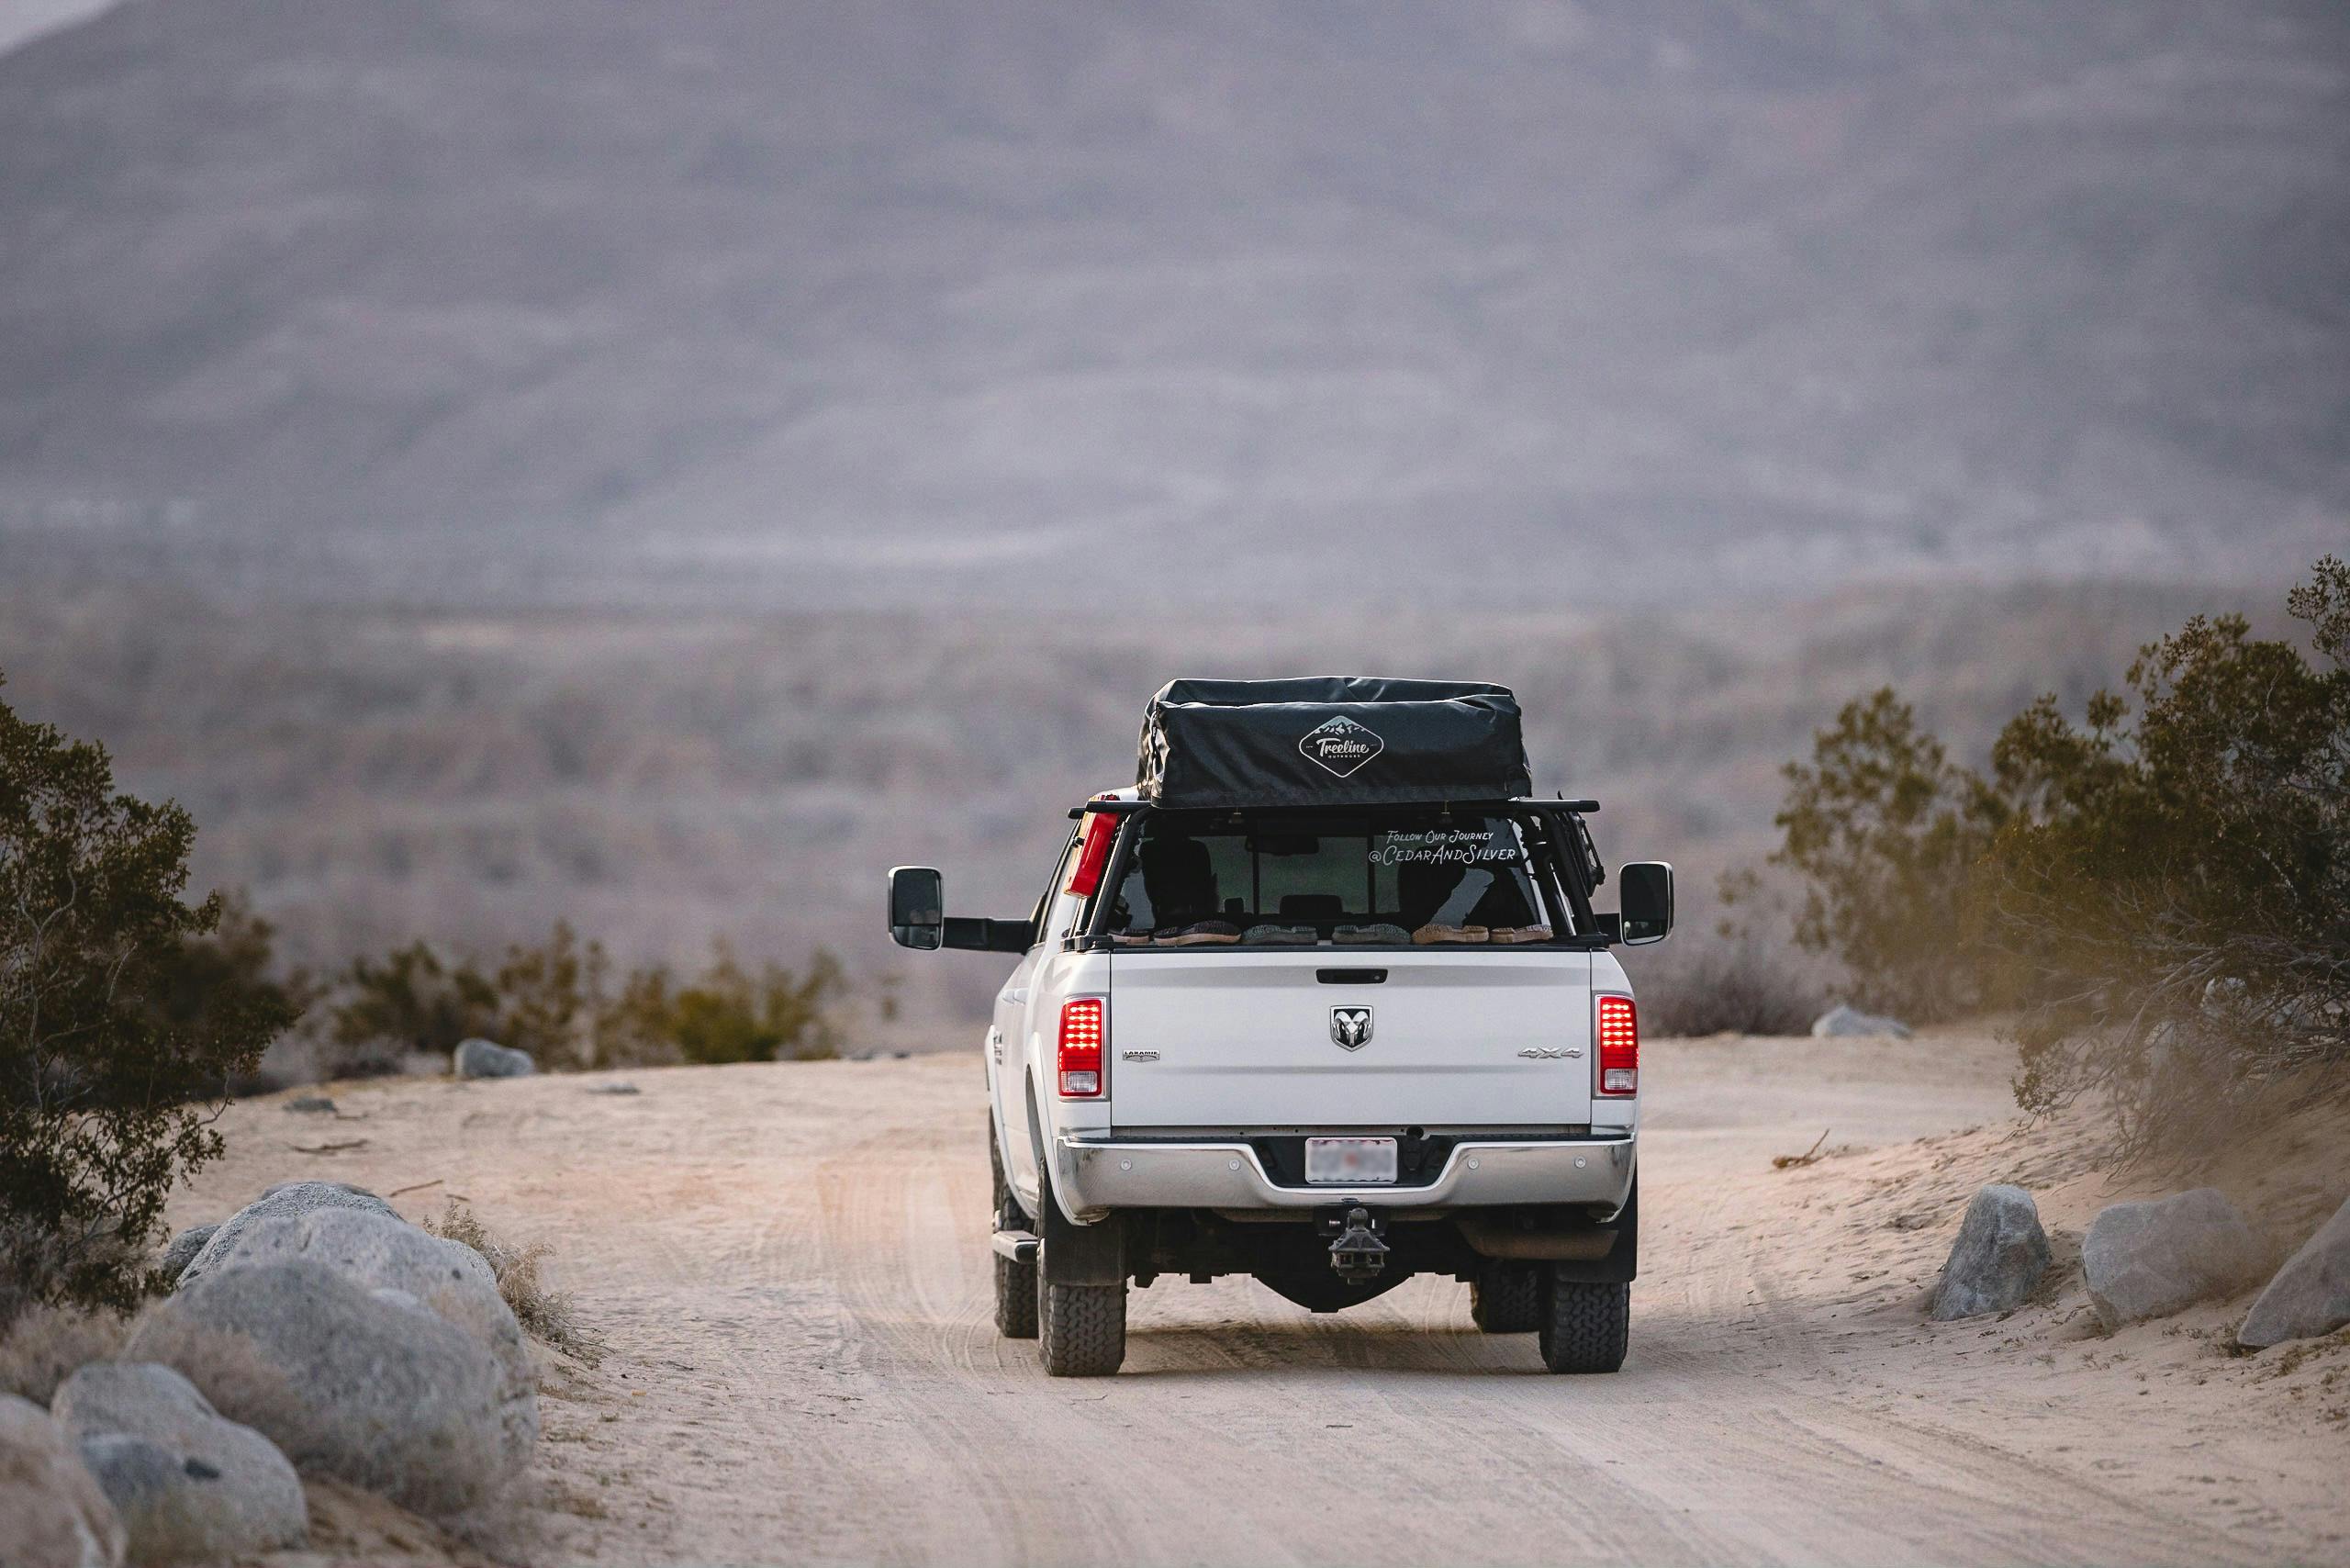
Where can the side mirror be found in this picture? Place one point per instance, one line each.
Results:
(918, 918)
(917, 907)
(1644, 892)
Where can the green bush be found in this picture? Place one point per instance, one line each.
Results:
(2171, 893)
(726, 1014)
(1886, 833)
(562, 1003)
(413, 1000)
(407, 1000)
(2160, 894)
(124, 1014)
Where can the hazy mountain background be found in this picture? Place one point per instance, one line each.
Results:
(661, 464)
(23, 20)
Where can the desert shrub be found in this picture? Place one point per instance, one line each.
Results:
(414, 1000)
(544, 998)
(2171, 895)
(725, 1014)
(1727, 986)
(563, 1004)
(2161, 892)
(547, 1313)
(408, 1000)
(1886, 834)
(46, 1345)
(120, 1023)
(237, 959)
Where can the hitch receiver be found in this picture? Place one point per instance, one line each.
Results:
(1358, 1254)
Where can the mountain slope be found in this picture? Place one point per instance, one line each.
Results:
(797, 303)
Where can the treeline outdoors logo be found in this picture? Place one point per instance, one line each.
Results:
(1340, 745)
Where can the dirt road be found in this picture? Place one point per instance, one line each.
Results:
(790, 1265)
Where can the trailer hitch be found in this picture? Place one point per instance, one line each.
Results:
(1358, 1254)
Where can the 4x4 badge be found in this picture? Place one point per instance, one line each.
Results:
(1350, 1027)
(1340, 745)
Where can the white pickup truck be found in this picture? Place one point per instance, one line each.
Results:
(1328, 1037)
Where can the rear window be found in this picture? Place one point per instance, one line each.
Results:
(1381, 876)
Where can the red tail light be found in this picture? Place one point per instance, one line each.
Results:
(1101, 831)
(1085, 1029)
(1620, 1047)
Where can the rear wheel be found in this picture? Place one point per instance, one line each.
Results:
(1081, 1327)
(1506, 1298)
(1080, 1330)
(1015, 1283)
(1584, 1327)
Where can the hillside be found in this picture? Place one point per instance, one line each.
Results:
(805, 306)
(658, 779)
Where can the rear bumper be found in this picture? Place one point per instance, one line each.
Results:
(1095, 1175)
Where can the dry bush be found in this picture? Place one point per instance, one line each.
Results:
(238, 1379)
(548, 1315)
(2159, 894)
(46, 1345)
(1727, 987)
(565, 1002)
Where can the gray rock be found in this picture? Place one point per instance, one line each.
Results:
(310, 1105)
(2150, 1260)
(189, 1484)
(286, 1198)
(175, 1508)
(385, 1253)
(487, 1058)
(1841, 1020)
(2310, 1294)
(615, 1089)
(182, 1249)
(388, 1395)
(1998, 1257)
(53, 1512)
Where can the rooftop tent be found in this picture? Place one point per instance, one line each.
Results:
(1340, 740)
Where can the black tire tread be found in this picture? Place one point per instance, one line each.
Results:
(1082, 1329)
(1015, 1283)
(1585, 1327)
(1506, 1298)
(1015, 1299)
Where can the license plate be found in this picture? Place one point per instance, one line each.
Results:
(1349, 1161)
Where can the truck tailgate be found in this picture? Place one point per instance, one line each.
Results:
(1456, 1037)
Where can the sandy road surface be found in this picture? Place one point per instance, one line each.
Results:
(790, 1265)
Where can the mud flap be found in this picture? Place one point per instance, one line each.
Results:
(1622, 1263)
(1078, 1254)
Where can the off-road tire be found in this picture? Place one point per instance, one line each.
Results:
(1080, 1330)
(1506, 1298)
(1015, 1283)
(1015, 1299)
(1584, 1327)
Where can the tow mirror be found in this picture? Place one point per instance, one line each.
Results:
(917, 907)
(918, 918)
(1644, 892)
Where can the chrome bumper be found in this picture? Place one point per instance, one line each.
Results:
(1095, 1175)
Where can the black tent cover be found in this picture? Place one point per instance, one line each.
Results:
(1330, 740)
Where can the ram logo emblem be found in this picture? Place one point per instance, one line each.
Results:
(1350, 1027)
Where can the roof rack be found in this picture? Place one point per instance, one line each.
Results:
(1521, 803)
